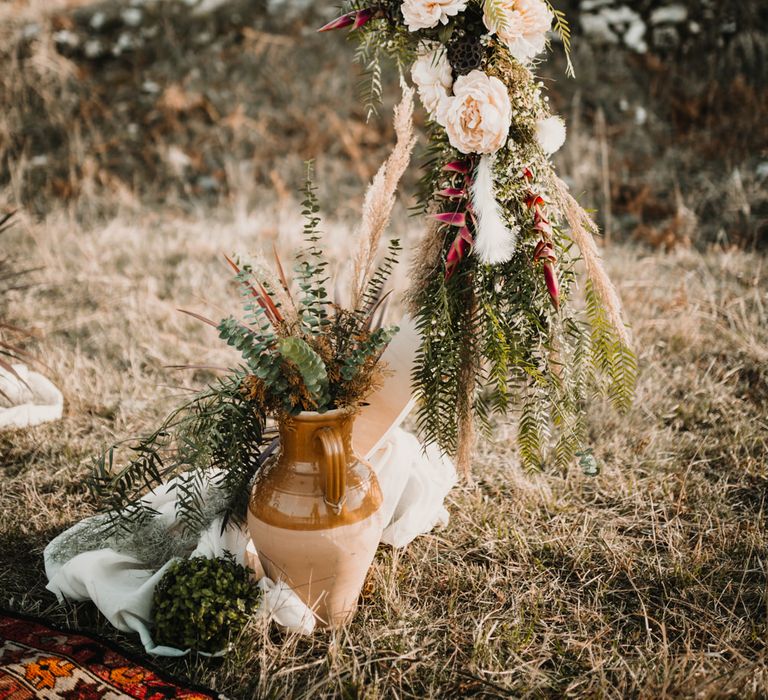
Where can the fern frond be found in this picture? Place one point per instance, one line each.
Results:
(496, 14)
(609, 355)
(623, 375)
(370, 86)
(218, 429)
(532, 431)
(445, 322)
(375, 288)
(563, 29)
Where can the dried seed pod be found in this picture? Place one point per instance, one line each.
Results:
(466, 54)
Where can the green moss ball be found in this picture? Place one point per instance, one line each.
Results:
(201, 603)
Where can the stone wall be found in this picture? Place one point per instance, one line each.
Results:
(676, 27)
(669, 115)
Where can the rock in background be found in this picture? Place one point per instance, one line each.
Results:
(669, 118)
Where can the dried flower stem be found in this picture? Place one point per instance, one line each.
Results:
(427, 258)
(466, 386)
(263, 272)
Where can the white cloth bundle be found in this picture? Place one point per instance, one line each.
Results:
(27, 399)
(414, 485)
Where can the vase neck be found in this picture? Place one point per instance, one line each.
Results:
(298, 434)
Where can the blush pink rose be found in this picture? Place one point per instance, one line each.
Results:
(425, 14)
(523, 28)
(478, 116)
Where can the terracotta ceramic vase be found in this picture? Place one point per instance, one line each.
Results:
(314, 516)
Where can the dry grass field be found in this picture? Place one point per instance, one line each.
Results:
(136, 174)
(649, 580)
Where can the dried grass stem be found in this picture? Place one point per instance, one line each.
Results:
(380, 198)
(583, 231)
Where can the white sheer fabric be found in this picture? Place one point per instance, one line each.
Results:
(27, 399)
(414, 484)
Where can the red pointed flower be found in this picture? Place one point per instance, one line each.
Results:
(452, 192)
(457, 166)
(459, 250)
(354, 19)
(545, 253)
(542, 225)
(534, 200)
(458, 218)
(339, 23)
(362, 18)
(553, 287)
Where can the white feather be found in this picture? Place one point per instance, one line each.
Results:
(494, 241)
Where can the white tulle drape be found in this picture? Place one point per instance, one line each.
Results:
(414, 484)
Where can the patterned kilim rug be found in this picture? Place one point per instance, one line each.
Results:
(39, 661)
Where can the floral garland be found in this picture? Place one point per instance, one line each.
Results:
(495, 272)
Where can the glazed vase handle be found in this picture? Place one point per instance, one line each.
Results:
(334, 463)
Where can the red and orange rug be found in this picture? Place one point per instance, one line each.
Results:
(39, 661)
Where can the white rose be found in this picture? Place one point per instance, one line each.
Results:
(550, 133)
(432, 75)
(423, 14)
(478, 116)
(524, 26)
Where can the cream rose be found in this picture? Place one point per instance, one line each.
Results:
(432, 75)
(478, 116)
(423, 14)
(523, 27)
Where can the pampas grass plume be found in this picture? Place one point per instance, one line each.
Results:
(380, 197)
(583, 230)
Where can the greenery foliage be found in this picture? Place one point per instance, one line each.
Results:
(311, 266)
(219, 429)
(497, 338)
(201, 603)
(313, 355)
(309, 365)
(301, 352)
(370, 86)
